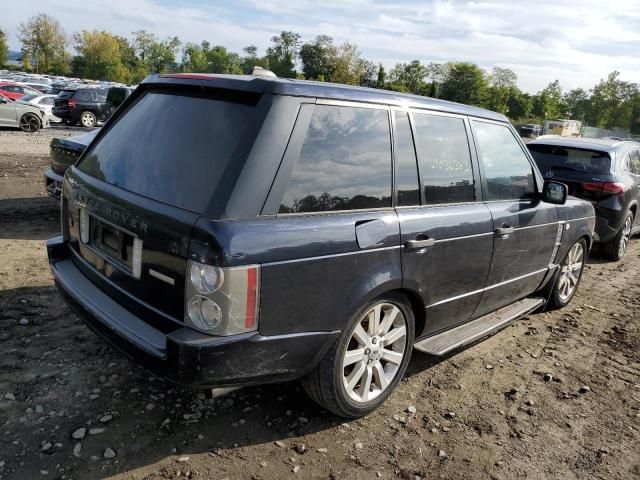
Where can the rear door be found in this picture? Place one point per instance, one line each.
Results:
(525, 229)
(446, 229)
(633, 169)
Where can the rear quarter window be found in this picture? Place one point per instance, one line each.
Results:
(344, 162)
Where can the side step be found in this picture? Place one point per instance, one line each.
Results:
(481, 327)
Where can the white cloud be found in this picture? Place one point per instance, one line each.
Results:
(576, 42)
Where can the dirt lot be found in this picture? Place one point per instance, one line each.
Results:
(67, 402)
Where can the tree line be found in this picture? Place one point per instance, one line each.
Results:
(101, 55)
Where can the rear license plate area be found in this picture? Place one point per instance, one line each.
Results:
(118, 247)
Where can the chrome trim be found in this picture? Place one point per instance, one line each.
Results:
(162, 277)
(475, 292)
(464, 237)
(321, 257)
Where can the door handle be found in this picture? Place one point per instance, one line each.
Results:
(506, 229)
(416, 244)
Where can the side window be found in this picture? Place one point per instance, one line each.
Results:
(507, 169)
(407, 182)
(82, 96)
(344, 162)
(634, 157)
(445, 161)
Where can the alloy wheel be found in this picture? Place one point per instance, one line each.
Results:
(570, 272)
(88, 119)
(626, 235)
(29, 123)
(374, 352)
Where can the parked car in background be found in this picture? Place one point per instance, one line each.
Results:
(26, 117)
(44, 102)
(84, 105)
(64, 152)
(530, 130)
(228, 231)
(605, 172)
(14, 91)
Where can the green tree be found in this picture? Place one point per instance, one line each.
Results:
(519, 104)
(549, 103)
(318, 58)
(251, 59)
(350, 68)
(501, 83)
(578, 103)
(44, 41)
(101, 56)
(409, 77)
(4, 49)
(464, 83)
(611, 102)
(382, 77)
(282, 55)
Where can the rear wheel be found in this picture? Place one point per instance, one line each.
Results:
(616, 248)
(569, 276)
(29, 122)
(366, 363)
(87, 119)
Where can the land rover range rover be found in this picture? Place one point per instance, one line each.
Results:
(226, 231)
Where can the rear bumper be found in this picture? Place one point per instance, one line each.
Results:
(185, 356)
(53, 183)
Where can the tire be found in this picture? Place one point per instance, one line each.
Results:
(569, 277)
(30, 123)
(616, 248)
(371, 361)
(87, 119)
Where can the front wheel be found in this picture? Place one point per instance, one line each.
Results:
(616, 248)
(569, 276)
(366, 363)
(29, 123)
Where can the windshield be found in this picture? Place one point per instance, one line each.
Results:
(174, 148)
(570, 159)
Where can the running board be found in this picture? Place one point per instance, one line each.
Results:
(476, 329)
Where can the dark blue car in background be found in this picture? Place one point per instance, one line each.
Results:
(227, 231)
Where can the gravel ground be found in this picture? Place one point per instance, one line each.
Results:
(555, 395)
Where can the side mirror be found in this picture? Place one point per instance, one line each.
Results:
(554, 192)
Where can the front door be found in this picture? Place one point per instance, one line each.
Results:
(7, 113)
(446, 230)
(525, 229)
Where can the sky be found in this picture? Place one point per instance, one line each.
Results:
(578, 42)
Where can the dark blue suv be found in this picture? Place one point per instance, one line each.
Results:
(228, 231)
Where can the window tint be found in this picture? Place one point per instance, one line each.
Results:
(344, 162)
(176, 149)
(407, 182)
(445, 161)
(568, 159)
(83, 96)
(634, 156)
(507, 170)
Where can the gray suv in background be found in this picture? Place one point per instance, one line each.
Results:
(232, 230)
(603, 171)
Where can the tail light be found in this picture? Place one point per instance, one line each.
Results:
(72, 103)
(222, 301)
(615, 188)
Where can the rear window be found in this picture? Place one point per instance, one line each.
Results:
(570, 159)
(173, 148)
(63, 95)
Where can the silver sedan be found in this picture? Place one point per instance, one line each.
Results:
(27, 117)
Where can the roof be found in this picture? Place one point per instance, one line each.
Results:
(608, 145)
(334, 91)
